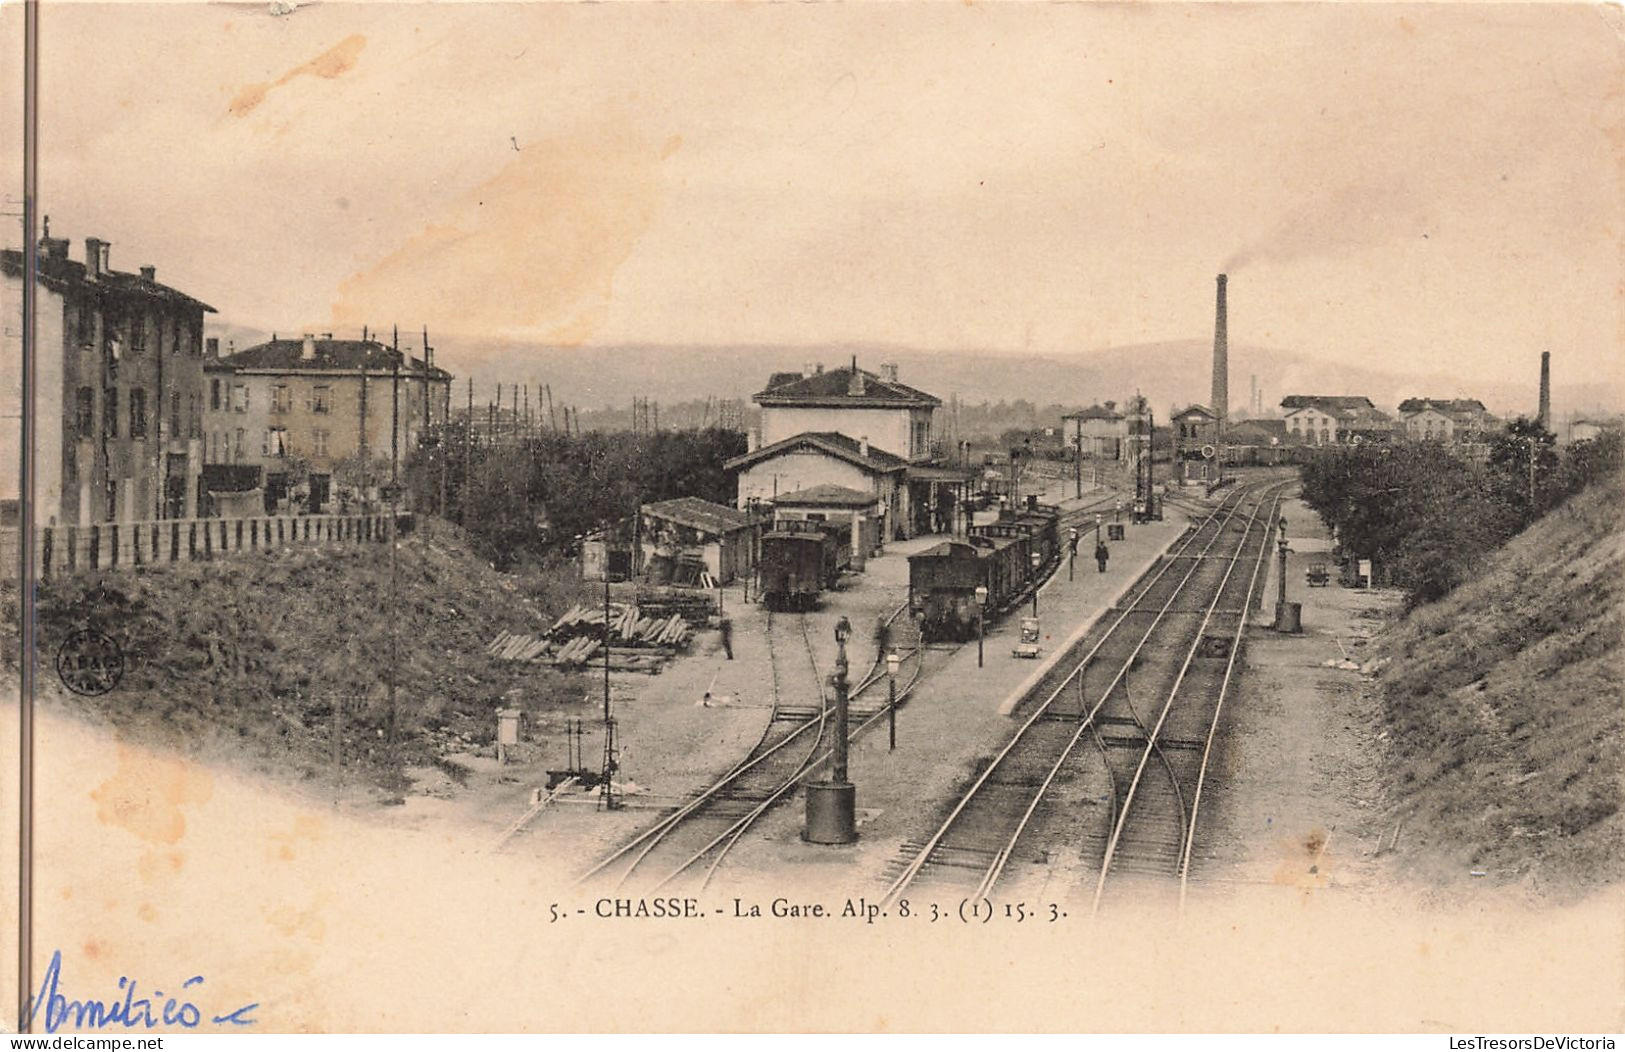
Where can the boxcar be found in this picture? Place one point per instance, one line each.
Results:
(800, 559)
(996, 556)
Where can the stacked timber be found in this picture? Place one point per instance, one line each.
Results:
(638, 641)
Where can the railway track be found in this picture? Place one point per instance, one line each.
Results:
(1141, 696)
(691, 842)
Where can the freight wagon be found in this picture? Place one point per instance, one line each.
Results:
(800, 559)
(998, 556)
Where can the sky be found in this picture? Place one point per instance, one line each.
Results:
(1411, 188)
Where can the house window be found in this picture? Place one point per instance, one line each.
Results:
(214, 395)
(138, 413)
(318, 442)
(280, 402)
(174, 336)
(239, 398)
(87, 325)
(138, 334)
(110, 412)
(1325, 435)
(239, 449)
(85, 412)
(321, 399)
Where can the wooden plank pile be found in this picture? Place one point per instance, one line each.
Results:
(695, 607)
(639, 641)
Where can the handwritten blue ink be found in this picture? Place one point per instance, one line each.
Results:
(131, 1013)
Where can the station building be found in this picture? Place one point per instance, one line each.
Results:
(858, 430)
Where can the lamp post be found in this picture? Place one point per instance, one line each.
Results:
(892, 663)
(981, 609)
(1072, 550)
(1037, 560)
(832, 804)
(1098, 518)
(1280, 597)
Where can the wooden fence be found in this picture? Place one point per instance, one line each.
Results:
(121, 545)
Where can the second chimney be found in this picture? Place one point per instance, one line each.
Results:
(1221, 360)
(149, 274)
(95, 257)
(1544, 418)
(307, 352)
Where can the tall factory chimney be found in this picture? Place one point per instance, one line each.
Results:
(1545, 415)
(1221, 361)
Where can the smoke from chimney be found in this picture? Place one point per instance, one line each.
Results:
(1545, 415)
(1221, 359)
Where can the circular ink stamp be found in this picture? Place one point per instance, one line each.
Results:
(90, 662)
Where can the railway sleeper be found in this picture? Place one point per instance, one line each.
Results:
(1137, 741)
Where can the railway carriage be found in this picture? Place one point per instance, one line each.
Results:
(800, 559)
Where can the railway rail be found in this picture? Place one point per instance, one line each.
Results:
(1146, 702)
(695, 838)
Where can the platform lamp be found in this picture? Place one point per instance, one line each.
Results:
(893, 662)
(981, 610)
(1037, 560)
(1072, 550)
(1098, 518)
(832, 804)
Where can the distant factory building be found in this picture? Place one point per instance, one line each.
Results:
(118, 395)
(1321, 420)
(301, 418)
(1444, 419)
(1584, 429)
(1099, 432)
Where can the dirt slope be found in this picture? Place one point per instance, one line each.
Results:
(1504, 709)
(243, 657)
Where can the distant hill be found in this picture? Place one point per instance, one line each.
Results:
(1168, 373)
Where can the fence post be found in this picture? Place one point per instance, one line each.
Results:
(46, 543)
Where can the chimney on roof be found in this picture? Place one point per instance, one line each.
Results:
(1111, 406)
(753, 440)
(149, 273)
(211, 346)
(863, 446)
(807, 369)
(307, 351)
(889, 372)
(53, 247)
(1545, 415)
(854, 380)
(95, 257)
(1221, 359)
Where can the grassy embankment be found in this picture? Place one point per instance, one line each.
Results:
(1504, 706)
(243, 658)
